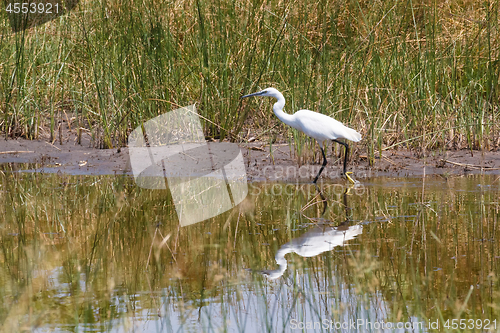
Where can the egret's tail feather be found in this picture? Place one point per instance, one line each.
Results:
(352, 135)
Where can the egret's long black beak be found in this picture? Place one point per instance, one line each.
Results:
(254, 94)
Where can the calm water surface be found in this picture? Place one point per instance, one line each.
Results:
(82, 253)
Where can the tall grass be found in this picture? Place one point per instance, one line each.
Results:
(422, 75)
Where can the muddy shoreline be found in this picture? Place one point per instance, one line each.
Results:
(260, 164)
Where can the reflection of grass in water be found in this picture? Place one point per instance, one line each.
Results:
(89, 250)
(73, 224)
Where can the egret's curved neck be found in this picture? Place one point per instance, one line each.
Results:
(280, 255)
(278, 111)
(281, 261)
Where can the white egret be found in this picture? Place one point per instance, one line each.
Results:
(317, 240)
(316, 125)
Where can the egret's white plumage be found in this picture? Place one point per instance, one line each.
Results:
(316, 125)
(314, 242)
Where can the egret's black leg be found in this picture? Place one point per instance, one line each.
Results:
(348, 210)
(346, 153)
(325, 204)
(322, 167)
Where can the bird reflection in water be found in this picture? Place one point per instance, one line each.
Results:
(320, 238)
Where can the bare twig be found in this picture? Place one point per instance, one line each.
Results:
(470, 165)
(16, 152)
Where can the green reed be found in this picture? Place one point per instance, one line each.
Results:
(421, 75)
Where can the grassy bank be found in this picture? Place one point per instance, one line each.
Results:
(419, 74)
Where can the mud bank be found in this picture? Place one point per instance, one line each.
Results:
(261, 165)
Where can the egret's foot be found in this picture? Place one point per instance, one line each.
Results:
(348, 190)
(353, 182)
